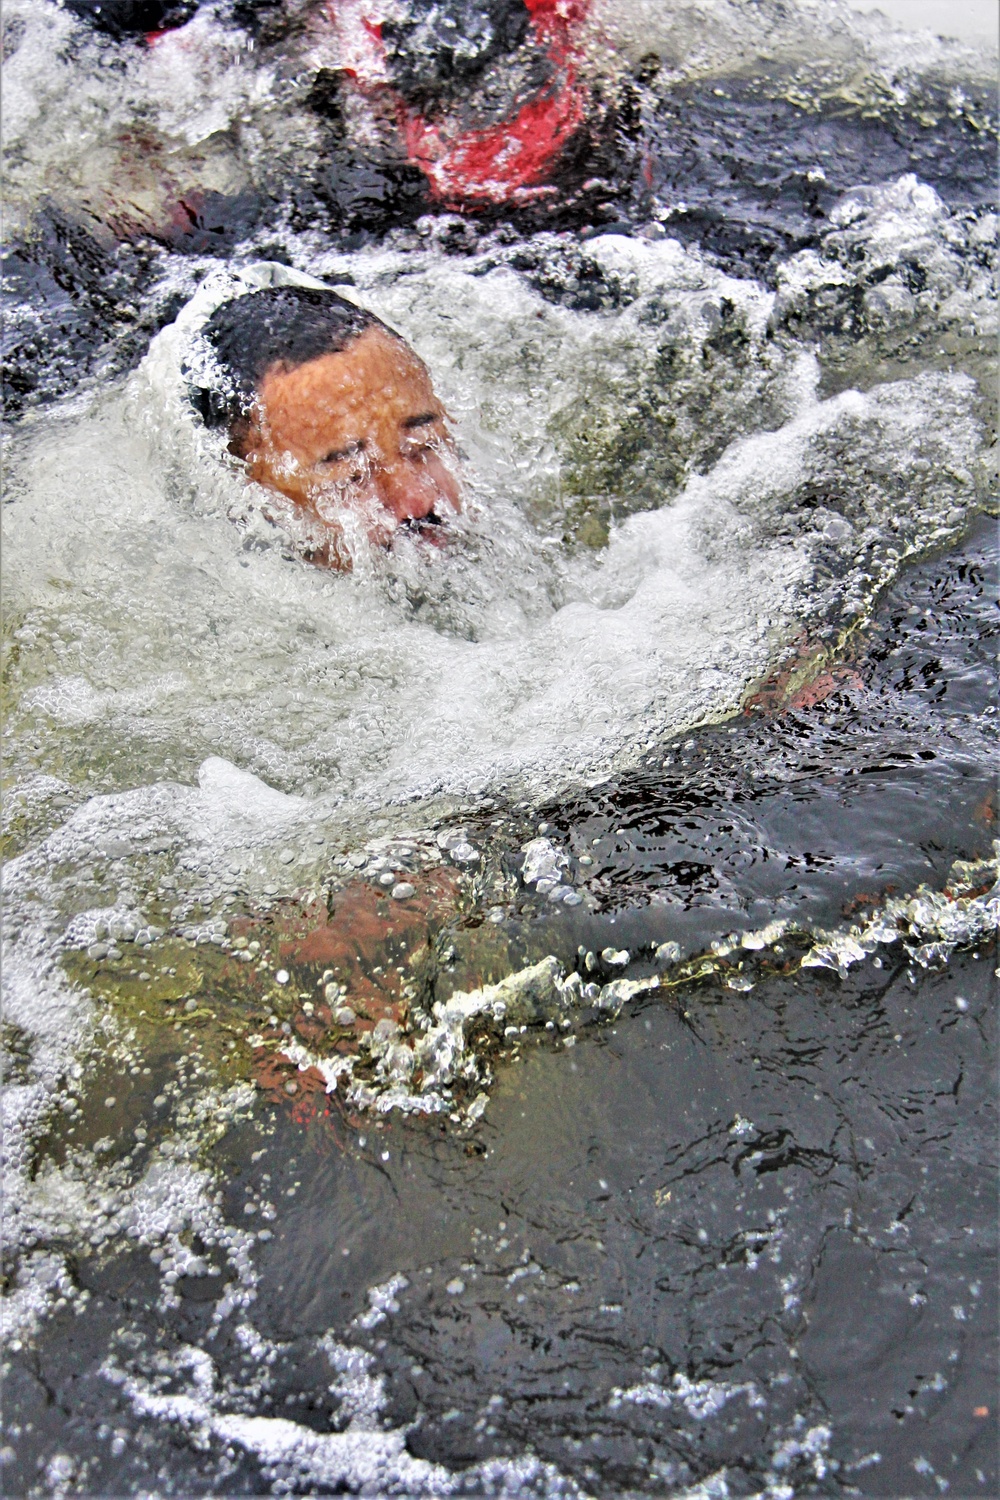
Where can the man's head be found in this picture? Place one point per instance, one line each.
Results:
(331, 408)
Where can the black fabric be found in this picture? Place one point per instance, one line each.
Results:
(440, 46)
(138, 18)
(123, 18)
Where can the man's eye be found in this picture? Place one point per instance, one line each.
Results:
(343, 468)
(344, 455)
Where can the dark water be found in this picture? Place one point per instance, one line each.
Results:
(798, 813)
(742, 1232)
(735, 1242)
(835, 1258)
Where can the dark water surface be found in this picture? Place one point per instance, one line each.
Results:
(743, 1233)
(738, 1240)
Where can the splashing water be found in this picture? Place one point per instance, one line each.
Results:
(703, 427)
(518, 653)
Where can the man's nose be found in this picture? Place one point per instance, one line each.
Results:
(407, 493)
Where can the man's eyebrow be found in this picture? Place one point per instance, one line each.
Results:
(422, 421)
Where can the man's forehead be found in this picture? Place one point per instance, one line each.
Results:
(375, 384)
(373, 355)
(385, 371)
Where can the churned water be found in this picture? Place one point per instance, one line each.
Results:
(517, 1017)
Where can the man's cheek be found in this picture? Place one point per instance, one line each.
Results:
(444, 480)
(276, 472)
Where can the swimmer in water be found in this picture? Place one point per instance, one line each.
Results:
(331, 409)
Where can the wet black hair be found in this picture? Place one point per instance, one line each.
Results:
(126, 20)
(281, 325)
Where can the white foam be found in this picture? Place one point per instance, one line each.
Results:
(701, 1399)
(72, 97)
(887, 236)
(366, 1457)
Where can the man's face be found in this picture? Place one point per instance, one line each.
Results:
(360, 430)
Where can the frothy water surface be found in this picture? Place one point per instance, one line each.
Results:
(686, 671)
(524, 652)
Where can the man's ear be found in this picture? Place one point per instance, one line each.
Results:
(241, 435)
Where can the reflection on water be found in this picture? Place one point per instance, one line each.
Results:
(705, 656)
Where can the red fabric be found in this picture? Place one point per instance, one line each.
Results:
(555, 19)
(501, 163)
(508, 162)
